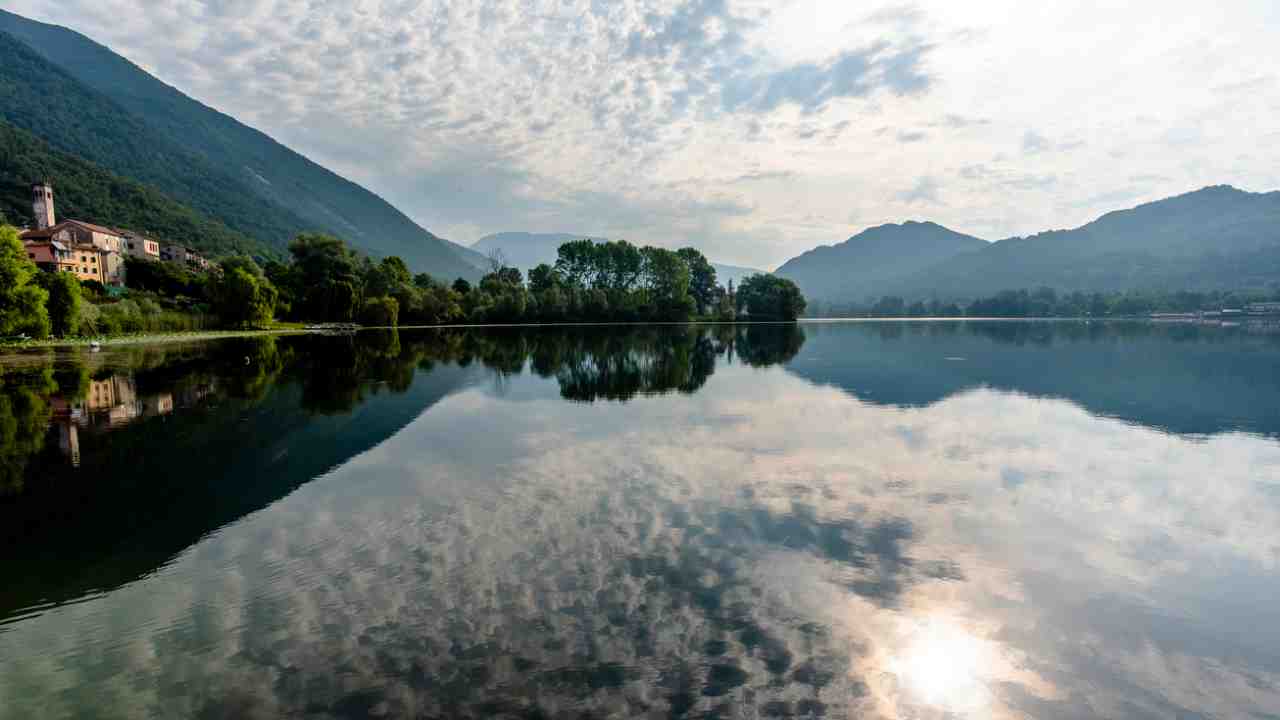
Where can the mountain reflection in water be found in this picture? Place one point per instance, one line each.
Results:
(760, 521)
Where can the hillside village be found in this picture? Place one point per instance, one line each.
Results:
(93, 253)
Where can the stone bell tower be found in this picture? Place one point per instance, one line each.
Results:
(42, 205)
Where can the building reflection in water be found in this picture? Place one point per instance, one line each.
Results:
(112, 403)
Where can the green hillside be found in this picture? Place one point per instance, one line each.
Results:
(85, 99)
(875, 260)
(85, 191)
(1217, 238)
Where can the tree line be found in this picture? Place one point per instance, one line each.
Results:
(590, 282)
(324, 280)
(1047, 302)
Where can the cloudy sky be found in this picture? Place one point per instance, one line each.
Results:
(754, 129)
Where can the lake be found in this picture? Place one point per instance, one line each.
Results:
(863, 519)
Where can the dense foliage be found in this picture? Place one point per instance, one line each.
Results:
(590, 282)
(326, 281)
(63, 303)
(241, 294)
(768, 297)
(169, 279)
(22, 300)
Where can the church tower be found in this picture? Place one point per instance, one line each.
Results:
(42, 205)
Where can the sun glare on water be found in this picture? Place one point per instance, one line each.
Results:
(944, 666)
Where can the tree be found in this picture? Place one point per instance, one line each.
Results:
(380, 312)
(22, 301)
(461, 286)
(543, 278)
(387, 277)
(241, 294)
(577, 262)
(618, 265)
(666, 278)
(64, 302)
(702, 278)
(163, 278)
(423, 281)
(768, 297)
(327, 274)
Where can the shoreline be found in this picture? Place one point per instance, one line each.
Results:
(201, 335)
(144, 339)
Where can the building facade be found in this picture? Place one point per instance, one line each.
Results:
(184, 256)
(85, 261)
(141, 246)
(91, 251)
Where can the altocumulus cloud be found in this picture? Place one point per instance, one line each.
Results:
(479, 115)
(630, 118)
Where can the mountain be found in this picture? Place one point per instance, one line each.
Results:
(526, 250)
(88, 192)
(83, 99)
(1216, 238)
(875, 260)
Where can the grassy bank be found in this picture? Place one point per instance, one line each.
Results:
(150, 338)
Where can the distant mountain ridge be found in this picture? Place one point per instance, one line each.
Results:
(875, 260)
(527, 250)
(1218, 237)
(82, 98)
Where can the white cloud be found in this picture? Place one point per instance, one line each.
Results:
(626, 117)
(635, 534)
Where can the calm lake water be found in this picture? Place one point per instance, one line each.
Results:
(871, 520)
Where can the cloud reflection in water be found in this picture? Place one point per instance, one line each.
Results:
(763, 546)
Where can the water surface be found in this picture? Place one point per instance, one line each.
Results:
(875, 520)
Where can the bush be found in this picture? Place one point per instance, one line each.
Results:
(89, 319)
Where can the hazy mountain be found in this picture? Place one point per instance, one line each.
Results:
(84, 99)
(725, 273)
(526, 250)
(875, 260)
(1216, 238)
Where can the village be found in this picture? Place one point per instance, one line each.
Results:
(94, 253)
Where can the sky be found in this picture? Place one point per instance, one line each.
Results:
(752, 129)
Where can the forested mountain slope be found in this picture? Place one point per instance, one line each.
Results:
(875, 260)
(1216, 238)
(85, 191)
(87, 100)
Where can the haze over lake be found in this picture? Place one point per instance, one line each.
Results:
(882, 520)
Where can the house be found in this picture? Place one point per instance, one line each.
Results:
(86, 261)
(184, 256)
(96, 252)
(141, 246)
